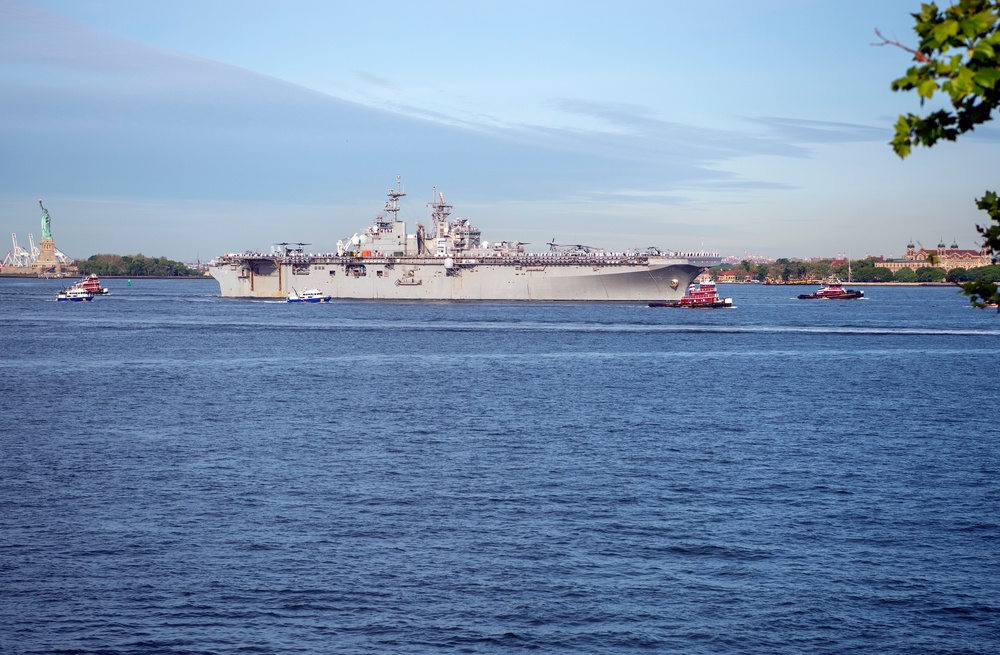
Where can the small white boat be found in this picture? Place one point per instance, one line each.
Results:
(75, 294)
(309, 295)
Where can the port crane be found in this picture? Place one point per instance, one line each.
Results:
(19, 256)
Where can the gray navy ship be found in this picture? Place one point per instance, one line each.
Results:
(450, 261)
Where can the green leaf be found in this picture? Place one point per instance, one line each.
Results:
(990, 203)
(908, 82)
(960, 85)
(927, 88)
(946, 68)
(945, 30)
(981, 22)
(983, 50)
(987, 77)
(928, 12)
(901, 142)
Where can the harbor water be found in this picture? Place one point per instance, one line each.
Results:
(183, 473)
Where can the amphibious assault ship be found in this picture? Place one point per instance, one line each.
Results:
(450, 261)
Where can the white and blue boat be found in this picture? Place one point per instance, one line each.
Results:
(75, 294)
(309, 295)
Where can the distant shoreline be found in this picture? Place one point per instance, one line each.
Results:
(26, 276)
(155, 277)
(860, 284)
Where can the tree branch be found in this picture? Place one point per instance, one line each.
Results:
(919, 56)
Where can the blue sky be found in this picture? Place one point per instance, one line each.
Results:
(192, 128)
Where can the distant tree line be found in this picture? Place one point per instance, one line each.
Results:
(133, 266)
(861, 270)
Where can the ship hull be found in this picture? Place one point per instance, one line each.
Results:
(428, 278)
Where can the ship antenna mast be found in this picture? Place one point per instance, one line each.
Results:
(441, 209)
(392, 205)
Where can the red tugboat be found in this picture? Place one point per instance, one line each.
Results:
(834, 290)
(91, 284)
(699, 296)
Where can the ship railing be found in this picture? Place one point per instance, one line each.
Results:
(501, 259)
(604, 258)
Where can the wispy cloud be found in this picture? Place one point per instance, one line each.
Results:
(375, 80)
(639, 127)
(820, 132)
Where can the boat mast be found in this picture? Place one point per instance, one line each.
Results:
(392, 204)
(440, 211)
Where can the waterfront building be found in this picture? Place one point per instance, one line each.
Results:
(732, 276)
(940, 257)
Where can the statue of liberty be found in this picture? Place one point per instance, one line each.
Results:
(46, 221)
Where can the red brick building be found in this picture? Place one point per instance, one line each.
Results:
(940, 257)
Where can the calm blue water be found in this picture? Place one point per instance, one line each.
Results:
(181, 473)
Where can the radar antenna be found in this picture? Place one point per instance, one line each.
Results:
(392, 204)
(440, 209)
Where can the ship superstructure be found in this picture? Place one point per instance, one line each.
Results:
(450, 261)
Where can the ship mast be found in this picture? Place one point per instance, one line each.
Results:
(392, 204)
(440, 211)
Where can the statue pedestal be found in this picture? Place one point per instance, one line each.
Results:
(47, 262)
